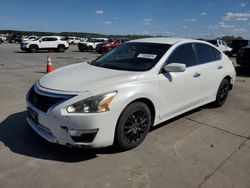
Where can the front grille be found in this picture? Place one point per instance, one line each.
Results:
(42, 101)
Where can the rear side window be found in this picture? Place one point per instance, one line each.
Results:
(207, 53)
(52, 39)
(64, 39)
(183, 54)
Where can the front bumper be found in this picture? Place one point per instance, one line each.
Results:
(56, 125)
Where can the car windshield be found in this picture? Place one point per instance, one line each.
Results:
(90, 40)
(132, 56)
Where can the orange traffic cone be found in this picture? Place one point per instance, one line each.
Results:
(49, 65)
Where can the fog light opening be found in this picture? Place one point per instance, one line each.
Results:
(83, 135)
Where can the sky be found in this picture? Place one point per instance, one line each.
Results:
(178, 18)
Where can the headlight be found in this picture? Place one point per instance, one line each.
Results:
(99, 103)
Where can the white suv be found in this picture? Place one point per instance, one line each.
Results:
(56, 43)
(90, 44)
(73, 40)
(32, 37)
(120, 95)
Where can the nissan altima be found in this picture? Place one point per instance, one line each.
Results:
(118, 97)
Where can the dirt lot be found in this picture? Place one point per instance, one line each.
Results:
(205, 148)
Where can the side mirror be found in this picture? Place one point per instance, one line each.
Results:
(175, 67)
(40, 40)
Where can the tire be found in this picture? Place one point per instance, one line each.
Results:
(222, 93)
(33, 48)
(133, 126)
(61, 48)
(90, 48)
(81, 49)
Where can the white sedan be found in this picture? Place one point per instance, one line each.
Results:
(120, 95)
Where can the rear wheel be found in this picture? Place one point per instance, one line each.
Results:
(90, 48)
(81, 49)
(222, 93)
(33, 48)
(133, 125)
(60, 48)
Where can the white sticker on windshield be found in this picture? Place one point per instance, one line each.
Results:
(147, 56)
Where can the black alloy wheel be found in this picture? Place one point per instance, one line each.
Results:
(222, 93)
(133, 125)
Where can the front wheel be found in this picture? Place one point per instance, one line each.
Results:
(222, 93)
(33, 48)
(133, 125)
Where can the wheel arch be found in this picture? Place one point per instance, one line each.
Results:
(60, 45)
(34, 45)
(146, 101)
(229, 80)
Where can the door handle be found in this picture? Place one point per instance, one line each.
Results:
(196, 75)
(220, 67)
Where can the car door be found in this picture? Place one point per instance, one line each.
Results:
(211, 70)
(53, 42)
(179, 90)
(43, 42)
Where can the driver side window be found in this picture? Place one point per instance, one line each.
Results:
(183, 54)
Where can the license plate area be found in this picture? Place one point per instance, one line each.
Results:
(32, 115)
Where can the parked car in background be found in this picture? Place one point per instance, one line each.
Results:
(222, 45)
(243, 57)
(109, 46)
(119, 96)
(1, 40)
(15, 37)
(3, 37)
(32, 37)
(55, 43)
(73, 40)
(90, 44)
(237, 45)
(100, 45)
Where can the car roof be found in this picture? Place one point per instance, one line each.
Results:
(53, 36)
(164, 40)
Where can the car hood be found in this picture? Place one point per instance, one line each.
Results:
(85, 77)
